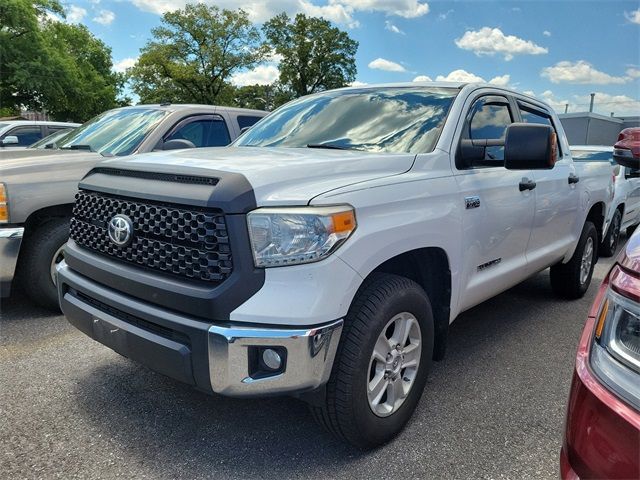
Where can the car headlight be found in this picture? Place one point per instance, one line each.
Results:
(290, 236)
(615, 354)
(618, 328)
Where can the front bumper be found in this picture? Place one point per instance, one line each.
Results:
(215, 357)
(10, 240)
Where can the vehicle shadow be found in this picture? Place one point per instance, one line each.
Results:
(172, 428)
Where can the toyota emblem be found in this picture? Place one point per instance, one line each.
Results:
(120, 230)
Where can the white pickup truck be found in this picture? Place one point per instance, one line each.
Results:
(325, 253)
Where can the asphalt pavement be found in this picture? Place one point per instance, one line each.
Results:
(494, 408)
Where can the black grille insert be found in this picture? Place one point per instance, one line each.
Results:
(183, 241)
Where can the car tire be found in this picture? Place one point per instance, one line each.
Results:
(385, 306)
(571, 280)
(40, 253)
(609, 244)
(631, 229)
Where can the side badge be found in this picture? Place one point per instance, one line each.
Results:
(472, 202)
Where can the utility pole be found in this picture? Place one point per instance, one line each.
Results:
(593, 95)
(566, 107)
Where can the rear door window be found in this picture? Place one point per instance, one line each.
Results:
(247, 121)
(533, 115)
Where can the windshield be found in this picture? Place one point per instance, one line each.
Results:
(591, 156)
(50, 139)
(116, 132)
(391, 120)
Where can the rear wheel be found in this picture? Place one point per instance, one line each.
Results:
(42, 252)
(610, 242)
(571, 280)
(382, 362)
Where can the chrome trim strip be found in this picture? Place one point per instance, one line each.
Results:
(310, 355)
(12, 232)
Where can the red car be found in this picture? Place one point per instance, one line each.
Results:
(602, 433)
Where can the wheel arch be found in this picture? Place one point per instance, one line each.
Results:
(42, 215)
(596, 215)
(430, 268)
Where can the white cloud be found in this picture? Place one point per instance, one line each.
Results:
(460, 76)
(75, 14)
(501, 80)
(422, 78)
(105, 17)
(633, 17)
(468, 77)
(386, 65)
(491, 41)
(604, 103)
(123, 64)
(401, 8)
(261, 75)
(338, 11)
(557, 104)
(579, 72)
(444, 15)
(633, 73)
(358, 84)
(392, 28)
(546, 33)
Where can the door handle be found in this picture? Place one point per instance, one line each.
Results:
(573, 178)
(527, 184)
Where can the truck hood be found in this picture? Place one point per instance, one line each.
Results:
(279, 176)
(33, 157)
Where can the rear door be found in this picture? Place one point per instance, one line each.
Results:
(498, 213)
(557, 201)
(632, 207)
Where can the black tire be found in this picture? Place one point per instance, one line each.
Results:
(609, 244)
(36, 256)
(345, 411)
(631, 229)
(566, 280)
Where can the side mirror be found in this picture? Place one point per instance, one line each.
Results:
(530, 146)
(626, 151)
(177, 144)
(9, 140)
(245, 129)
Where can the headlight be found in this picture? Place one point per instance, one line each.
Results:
(618, 328)
(290, 236)
(615, 354)
(4, 206)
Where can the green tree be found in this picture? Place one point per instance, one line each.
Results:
(261, 97)
(51, 65)
(315, 55)
(193, 55)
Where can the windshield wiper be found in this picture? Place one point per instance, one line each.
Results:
(330, 146)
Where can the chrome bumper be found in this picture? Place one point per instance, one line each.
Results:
(10, 239)
(308, 358)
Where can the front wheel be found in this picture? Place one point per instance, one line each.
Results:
(39, 256)
(571, 280)
(610, 242)
(382, 362)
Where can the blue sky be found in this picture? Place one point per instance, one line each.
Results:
(559, 50)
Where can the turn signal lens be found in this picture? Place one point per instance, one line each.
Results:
(601, 318)
(4, 208)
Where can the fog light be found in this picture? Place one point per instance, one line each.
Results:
(271, 359)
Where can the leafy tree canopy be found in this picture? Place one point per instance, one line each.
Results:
(315, 55)
(193, 55)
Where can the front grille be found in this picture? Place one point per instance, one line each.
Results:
(173, 239)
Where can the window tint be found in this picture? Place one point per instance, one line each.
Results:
(488, 120)
(591, 156)
(26, 135)
(390, 119)
(530, 115)
(247, 121)
(206, 132)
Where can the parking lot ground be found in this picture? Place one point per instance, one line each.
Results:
(494, 408)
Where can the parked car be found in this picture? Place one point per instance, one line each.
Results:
(326, 251)
(602, 433)
(50, 140)
(22, 133)
(38, 186)
(624, 211)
